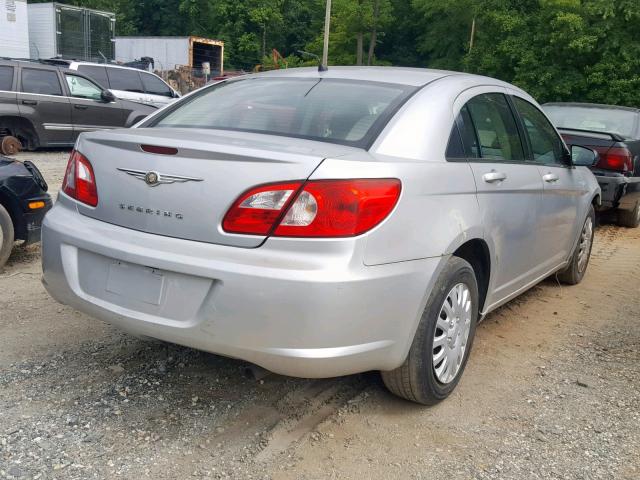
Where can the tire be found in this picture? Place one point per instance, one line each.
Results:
(629, 219)
(10, 145)
(574, 273)
(417, 379)
(6, 236)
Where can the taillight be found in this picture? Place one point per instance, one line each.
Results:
(257, 210)
(319, 208)
(79, 180)
(615, 158)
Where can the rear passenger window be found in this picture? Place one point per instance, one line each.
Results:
(463, 142)
(44, 82)
(6, 78)
(455, 149)
(154, 86)
(468, 134)
(99, 74)
(125, 80)
(495, 127)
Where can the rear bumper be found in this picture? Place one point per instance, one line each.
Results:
(618, 191)
(292, 309)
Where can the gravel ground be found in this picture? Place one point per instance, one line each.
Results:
(552, 391)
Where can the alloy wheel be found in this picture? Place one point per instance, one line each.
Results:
(452, 333)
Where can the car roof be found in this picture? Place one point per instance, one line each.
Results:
(61, 64)
(416, 77)
(590, 105)
(35, 64)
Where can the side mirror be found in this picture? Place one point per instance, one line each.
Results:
(174, 94)
(583, 156)
(107, 96)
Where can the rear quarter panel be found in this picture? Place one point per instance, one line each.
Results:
(437, 210)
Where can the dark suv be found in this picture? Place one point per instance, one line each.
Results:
(44, 105)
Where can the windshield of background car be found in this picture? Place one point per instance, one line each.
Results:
(337, 111)
(608, 120)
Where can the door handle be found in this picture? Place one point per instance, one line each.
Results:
(493, 177)
(550, 177)
(29, 102)
(80, 107)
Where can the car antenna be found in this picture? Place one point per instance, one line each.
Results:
(321, 67)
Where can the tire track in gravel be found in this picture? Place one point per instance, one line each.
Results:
(314, 404)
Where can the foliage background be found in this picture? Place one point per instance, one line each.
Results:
(582, 50)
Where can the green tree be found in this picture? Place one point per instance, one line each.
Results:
(357, 27)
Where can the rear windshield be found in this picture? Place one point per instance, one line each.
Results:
(337, 111)
(608, 120)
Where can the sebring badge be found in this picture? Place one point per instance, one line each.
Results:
(151, 211)
(153, 179)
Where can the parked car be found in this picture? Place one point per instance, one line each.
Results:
(324, 223)
(23, 202)
(129, 83)
(614, 132)
(45, 105)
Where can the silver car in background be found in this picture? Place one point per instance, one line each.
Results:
(324, 223)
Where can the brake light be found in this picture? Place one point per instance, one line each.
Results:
(615, 158)
(79, 180)
(319, 208)
(157, 149)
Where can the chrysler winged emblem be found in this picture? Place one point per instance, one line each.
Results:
(153, 178)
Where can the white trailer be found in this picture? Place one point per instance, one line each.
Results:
(74, 33)
(168, 53)
(14, 29)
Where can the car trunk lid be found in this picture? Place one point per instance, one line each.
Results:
(198, 177)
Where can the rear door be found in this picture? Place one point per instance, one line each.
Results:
(509, 190)
(88, 111)
(127, 84)
(563, 184)
(42, 99)
(158, 92)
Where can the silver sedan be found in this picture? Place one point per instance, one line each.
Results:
(324, 223)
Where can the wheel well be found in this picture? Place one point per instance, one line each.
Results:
(476, 252)
(597, 201)
(21, 128)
